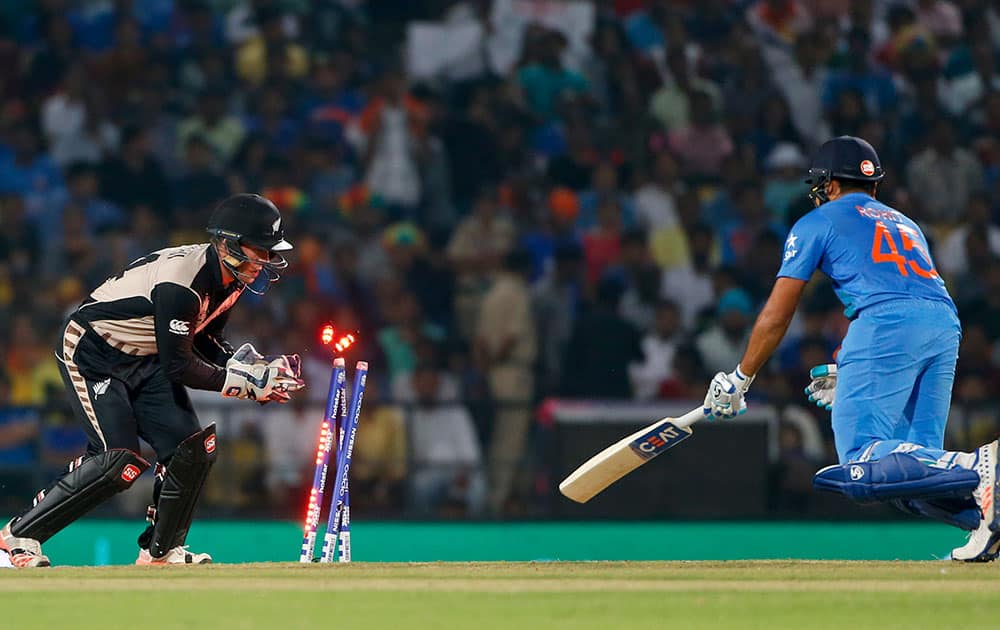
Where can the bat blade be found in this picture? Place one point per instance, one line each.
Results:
(624, 456)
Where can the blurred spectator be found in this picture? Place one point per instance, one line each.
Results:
(752, 220)
(951, 256)
(658, 349)
(943, 177)
(858, 74)
(601, 347)
(702, 144)
(784, 19)
(690, 286)
(290, 433)
(201, 186)
(135, 177)
(19, 429)
(74, 122)
(478, 245)
(398, 341)
(687, 375)
(212, 121)
(544, 80)
(269, 53)
(671, 105)
(393, 135)
(721, 346)
(505, 349)
(557, 300)
(447, 476)
(785, 187)
(602, 243)
(379, 463)
(83, 187)
(27, 170)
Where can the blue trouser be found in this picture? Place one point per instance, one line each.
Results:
(894, 376)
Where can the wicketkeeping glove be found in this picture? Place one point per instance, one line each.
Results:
(725, 398)
(250, 375)
(823, 388)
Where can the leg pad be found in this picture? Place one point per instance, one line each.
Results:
(88, 482)
(183, 479)
(896, 476)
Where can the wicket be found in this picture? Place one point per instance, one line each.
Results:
(340, 424)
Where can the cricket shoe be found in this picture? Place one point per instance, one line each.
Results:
(24, 552)
(984, 541)
(177, 555)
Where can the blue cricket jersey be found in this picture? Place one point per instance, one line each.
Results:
(871, 252)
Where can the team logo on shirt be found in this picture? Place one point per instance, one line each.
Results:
(867, 168)
(101, 386)
(179, 327)
(790, 250)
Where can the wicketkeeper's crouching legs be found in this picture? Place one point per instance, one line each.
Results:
(176, 491)
(88, 482)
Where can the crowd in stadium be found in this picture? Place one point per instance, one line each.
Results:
(509, 200)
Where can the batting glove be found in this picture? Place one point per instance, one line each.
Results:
(823, 388)
(725, 398)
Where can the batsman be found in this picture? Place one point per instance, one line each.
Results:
(890, 388)
(127, 356)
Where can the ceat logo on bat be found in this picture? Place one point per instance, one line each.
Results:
(210, 444)
(662, 437)
(130, 472)
(867, 168)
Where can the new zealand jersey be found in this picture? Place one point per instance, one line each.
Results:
(172, 303)
(871, 252)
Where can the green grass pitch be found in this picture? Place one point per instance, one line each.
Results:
(479, 596)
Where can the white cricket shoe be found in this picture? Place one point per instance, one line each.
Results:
(177, 555)
(24, 552)
(984, 541)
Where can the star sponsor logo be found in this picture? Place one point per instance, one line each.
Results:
(867, 168)
(790, 250)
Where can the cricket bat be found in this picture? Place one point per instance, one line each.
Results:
(621, 458)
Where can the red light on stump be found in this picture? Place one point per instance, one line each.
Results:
(344, 342)
(326, 335)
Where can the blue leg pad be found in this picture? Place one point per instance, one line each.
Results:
(895, 476)
(961, 513)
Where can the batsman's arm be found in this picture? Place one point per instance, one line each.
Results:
(772, 323)
(175, 315)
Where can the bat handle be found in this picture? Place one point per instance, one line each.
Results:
(689, 418)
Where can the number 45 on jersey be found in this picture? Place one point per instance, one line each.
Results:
(911, 240)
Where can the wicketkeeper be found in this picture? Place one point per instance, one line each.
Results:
(127, 355)
(890, 389)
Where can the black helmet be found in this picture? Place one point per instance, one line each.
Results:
(251, 220)
(844, 157)
(247, 219)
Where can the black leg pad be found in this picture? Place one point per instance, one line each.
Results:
(182, 482)
(88, 482)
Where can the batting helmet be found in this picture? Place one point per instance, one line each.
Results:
(845, 158)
